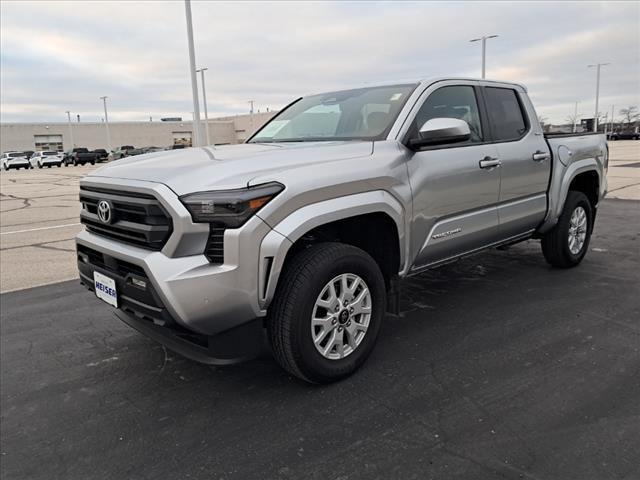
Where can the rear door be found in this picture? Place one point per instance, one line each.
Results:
(525, 158)
(454, 191)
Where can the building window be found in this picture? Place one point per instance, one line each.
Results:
(182, 138)
(48, 143)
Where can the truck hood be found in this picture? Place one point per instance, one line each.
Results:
(230, 166)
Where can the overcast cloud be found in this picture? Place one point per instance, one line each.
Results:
(58, 56)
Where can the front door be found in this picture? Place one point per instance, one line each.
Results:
(455, 187)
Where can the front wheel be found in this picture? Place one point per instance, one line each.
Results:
(566, 245)
(326, 314)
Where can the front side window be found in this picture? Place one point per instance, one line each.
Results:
(505, 114)
(360, 114)
(456, 101)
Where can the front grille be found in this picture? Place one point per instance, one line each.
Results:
(215, 245)
(137, 218)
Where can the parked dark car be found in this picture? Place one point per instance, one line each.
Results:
(28, 154)
(624, 135)
(102, 154)
(79, 156)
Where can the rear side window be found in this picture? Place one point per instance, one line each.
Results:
(505, 114)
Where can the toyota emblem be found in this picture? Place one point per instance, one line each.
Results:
(104, 211)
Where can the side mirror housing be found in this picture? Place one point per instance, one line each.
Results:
(441, 131)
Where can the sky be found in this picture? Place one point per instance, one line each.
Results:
(57, 56)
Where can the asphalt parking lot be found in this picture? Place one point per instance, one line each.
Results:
(499, 367)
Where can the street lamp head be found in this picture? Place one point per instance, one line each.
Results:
(483, 38)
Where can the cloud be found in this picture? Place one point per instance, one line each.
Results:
(59, 56)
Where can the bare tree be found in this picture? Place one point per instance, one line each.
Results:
(630, 114)
(571, 119)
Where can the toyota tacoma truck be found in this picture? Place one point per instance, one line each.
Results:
(79, 156)
(303, 234)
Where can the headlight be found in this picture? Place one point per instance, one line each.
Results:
(229, 208)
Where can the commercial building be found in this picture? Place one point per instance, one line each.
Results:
(57, 135)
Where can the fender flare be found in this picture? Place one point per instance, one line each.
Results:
(558, 191)
(278, 241)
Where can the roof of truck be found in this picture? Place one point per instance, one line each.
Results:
(422, 81)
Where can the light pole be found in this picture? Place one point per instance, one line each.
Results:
(204, 101)
(194, 79)
(106, 123)
(612, 114)
(70, 129)
(597, 67)
(483, 39)
(250, 102)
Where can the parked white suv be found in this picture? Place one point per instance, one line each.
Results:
(15, 160)
(46, 159)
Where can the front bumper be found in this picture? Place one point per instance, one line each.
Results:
(186, 292)
(140, 307)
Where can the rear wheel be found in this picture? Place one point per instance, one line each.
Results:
(566, 245)
(325, 317)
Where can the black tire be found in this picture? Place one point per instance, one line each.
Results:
(93, 162)
(75, 163)
(289, 320)
(59, 165)
(555, 244)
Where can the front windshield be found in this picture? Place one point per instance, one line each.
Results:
(360, 114)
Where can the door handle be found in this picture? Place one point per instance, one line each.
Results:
(489, 162)
(540, 156)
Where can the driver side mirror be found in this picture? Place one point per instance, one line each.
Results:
(441, 131)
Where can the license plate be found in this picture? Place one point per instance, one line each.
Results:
(105, 288)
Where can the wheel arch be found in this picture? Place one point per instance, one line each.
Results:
(353, 219)
(584, 176)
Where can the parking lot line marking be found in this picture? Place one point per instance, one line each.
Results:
(41, 228)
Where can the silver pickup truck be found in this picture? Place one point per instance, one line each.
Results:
(304, 233)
